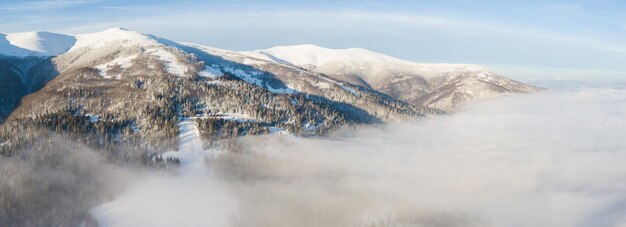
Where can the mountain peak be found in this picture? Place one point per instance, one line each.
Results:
(37, 43)
(312, 55)
(301, 46)
(118, 29)
(43, 43)
(99, 39)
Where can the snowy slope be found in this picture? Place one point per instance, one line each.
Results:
(103, 38)
(121, 48)
(122, 57)
(416, 83)
(191, 153)
(359, 66)
(114, 41)
(312, 55)
(354, 76)
(35, 44)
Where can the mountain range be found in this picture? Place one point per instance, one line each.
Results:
(119, 86)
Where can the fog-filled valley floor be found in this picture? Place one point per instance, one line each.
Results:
(554, 158)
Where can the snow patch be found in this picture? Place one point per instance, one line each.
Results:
(172, 64)
(281, 90)
(93, 118)
(310, 127)
(277, 131)
(342, 85)
(123, 62)
(349, 89)
(251, 61)
(210, 72)
(248, 77)
(238, 117)
(485, 76)
(322, 85)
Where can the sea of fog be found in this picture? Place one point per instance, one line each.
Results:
(555, 158)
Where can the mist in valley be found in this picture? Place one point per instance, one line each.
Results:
(553, 158)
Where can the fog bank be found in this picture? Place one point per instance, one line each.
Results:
(550, 159)
(54, 182)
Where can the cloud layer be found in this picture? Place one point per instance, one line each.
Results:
(549, 159)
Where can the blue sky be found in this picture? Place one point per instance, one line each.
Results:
(523, 39)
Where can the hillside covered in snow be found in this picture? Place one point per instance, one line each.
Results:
(443, 86)
(35, 44)
(122, 86)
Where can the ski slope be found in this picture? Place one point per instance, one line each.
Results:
(188, 198)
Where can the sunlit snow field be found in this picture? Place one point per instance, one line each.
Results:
(555, 158)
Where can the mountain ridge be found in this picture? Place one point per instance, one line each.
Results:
(405, 80)
(119, 86)
(39, 43)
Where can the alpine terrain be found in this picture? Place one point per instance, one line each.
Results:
(120, 87)
(140, 100)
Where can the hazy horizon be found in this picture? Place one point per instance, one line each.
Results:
(533, 40)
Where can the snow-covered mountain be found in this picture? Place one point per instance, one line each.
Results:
(35, 44)
(117, 51)
(142, 81)
(136, 87)
(441, 86)
(311, 56)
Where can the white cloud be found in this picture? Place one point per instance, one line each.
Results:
(549, 159)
